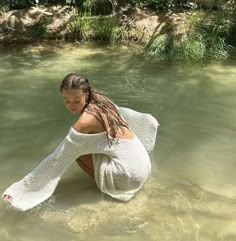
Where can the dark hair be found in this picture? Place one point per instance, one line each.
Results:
(97, 103)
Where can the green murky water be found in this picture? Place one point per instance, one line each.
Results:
(191, 194)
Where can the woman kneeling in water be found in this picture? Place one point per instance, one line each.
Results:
(109, 143)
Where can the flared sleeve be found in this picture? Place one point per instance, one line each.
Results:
(40, 184)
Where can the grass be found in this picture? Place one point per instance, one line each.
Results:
(207, 37)
(80, 26)
(101, 28)
(107, 29)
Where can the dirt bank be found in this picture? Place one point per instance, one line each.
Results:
(54, 23)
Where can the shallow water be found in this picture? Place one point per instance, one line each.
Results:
(191, 194)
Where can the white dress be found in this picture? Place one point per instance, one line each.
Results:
(120, 169)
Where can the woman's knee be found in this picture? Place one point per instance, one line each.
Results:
(86, 164)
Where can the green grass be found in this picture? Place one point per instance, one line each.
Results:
(107, 29)
(207, 37)
(80, 26)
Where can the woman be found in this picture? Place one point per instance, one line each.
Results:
(97, 114)
(104, 141)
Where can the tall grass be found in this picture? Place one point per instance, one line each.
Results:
(80, 25)
(168, 48)
(207, 37)
(107, 29)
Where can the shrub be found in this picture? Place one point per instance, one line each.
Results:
(81, 25)
(107, 29)
(39, 29)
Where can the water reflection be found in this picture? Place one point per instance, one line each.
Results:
(191, 193)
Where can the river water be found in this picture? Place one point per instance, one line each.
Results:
(191, 194)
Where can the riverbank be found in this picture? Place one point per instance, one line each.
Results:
(65, 23)
(178, 34)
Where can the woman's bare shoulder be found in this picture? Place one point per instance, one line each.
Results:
(88, 123)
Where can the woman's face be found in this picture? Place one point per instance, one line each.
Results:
(75, 100)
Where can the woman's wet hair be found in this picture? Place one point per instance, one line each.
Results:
(75, 81)
(97, 104)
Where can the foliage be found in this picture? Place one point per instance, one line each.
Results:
(101, 28)
(215, 29)
(107, 29)
(38, 29)
(208, 36)
(85, 6)
(19, 4)
(210, 31)
(15, 4)
(159, 46)
(154, 4)
(192, 49)
(81, 25)
(166, 48)
(164, 4)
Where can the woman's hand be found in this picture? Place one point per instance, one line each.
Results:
(7, 197)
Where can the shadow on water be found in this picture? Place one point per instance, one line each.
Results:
(22, 58)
